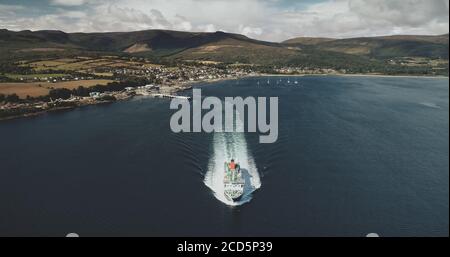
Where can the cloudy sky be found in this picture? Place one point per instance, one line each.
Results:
(271, 20)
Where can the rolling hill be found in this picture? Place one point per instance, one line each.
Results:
(302, 41)
(156, 41)
(355, 54)
(381, 47)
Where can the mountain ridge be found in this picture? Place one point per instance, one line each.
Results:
(382, 46)
(172, 46)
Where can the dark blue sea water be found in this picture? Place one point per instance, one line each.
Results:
(355, 155)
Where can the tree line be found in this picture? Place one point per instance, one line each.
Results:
(12, 98)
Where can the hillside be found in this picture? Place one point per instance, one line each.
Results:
(234, 50)
(156, 41)
(307, 40)
(381, 47)
(167, 43)
(378, 54)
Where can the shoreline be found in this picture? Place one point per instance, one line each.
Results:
(57, 109)
(181, 88)
(391, 76)
(190, 84)
(350, 75)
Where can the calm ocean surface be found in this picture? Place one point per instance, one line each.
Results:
(355, 155)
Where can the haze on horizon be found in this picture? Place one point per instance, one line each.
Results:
(270, 20)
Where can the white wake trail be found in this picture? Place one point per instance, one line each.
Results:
(229, 146)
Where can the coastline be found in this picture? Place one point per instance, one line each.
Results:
(56, 109)
(181, 87)
(177, 88)
(349, 75)
(391, 76)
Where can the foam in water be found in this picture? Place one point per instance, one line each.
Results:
(226, 147)
(431, 105)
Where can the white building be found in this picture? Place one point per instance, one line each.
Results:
(94, 94)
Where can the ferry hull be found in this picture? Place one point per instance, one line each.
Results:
(231, 199)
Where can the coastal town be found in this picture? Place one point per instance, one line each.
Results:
(118, 84)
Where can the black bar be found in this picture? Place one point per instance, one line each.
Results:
(233, 246)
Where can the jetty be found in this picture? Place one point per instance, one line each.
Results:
(171, 96)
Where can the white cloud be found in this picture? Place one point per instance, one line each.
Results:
(250, 31)
(181, 23)
(9, 10)
(68, 2)
(207, 28)
(262, 19)
(350, 18)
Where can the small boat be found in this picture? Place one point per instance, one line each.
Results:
(233, 181)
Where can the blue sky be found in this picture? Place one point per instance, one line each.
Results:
(272, 20)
